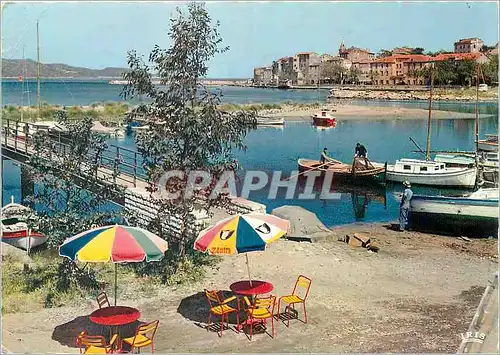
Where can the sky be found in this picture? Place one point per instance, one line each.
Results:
(98, 35)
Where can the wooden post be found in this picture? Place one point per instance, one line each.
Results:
(477, 110)
(7, 132)
(135, 169)
(15, 135)
(39, 102)
(428, 146)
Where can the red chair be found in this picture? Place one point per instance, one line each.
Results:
(299, 295)
(221, 308)
(95, 344)
(102, 300)
(144, 336)
(260, 311)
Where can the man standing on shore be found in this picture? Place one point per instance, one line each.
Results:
(404, 207)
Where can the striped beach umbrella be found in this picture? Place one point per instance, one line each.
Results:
(241, 234)
(118, 244)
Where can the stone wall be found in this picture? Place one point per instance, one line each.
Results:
(422, 94)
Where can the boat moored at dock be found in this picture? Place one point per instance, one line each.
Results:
(324, 119)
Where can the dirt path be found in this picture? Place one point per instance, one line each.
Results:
(416, 295)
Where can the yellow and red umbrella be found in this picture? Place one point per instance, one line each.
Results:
(117, 244)
(241, 234)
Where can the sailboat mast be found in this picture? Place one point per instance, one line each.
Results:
(38, 68)
(428, 146)
(477, 109)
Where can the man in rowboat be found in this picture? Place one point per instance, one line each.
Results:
(324, 157)
(404, 207)
(361, 152)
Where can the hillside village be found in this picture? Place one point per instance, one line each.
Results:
(400, 66)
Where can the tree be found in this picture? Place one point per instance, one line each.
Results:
(331, 71)
(417, 50)
(485, 48)
(490, 70)
(69, 198)
(353, 75)
(187, 131)
(465, 71)
(384, 53)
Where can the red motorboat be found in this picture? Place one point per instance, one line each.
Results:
(324, 119)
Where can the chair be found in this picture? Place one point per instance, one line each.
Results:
(144, 336)
(102, 300)
(260, 311)
(95, 344)
(303, 283)
(221, 308)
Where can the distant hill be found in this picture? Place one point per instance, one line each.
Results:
(13, 68)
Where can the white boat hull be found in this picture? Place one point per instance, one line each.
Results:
(488, 146)
(455, 208)
(458, 178)
(25, 243)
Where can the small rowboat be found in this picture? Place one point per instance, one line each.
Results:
(324, 119)
(361, 169)
(15, 230)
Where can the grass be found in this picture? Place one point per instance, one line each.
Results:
(29, 289)
(106, 112)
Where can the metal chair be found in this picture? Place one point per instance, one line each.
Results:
(302, 284)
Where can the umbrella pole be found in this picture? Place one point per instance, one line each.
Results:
(248, 269)
(116, 279)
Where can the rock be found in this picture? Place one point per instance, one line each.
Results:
(304, 225)
(15, 253)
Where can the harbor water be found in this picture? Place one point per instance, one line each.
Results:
(277, 149)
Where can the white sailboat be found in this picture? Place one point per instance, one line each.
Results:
(428, 172)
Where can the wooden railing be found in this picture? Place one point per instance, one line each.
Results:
(119, 161)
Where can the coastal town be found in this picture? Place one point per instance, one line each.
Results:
(401, 66)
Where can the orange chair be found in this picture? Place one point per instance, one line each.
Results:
(95, 344)
(260, 311)
(102, 300)
(303, 283)
(144, 336)
(221, 308)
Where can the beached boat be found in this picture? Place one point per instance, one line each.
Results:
(270, 121)
(15, 229)
(324, 119)
(477, 211)
(489, 144)
(427, 172)
(359, 170)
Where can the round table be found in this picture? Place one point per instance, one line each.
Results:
(256, 288)
(114, 316)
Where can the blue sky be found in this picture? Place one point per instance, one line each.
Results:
(98, 35)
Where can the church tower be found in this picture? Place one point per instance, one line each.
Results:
(341, 49)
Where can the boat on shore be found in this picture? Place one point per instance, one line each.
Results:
(490, 144)
(431, 173)
(14, 227)
(323, 119)
(476, 213)
(359, 170)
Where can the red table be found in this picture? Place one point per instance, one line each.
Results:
(244, 288)
(256, 288)
(119, 315)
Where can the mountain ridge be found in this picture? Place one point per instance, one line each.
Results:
(13, 68)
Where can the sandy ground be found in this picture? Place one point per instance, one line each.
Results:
(353, 112)
(417, 294)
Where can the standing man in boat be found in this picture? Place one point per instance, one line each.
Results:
(361, 152)
(404, 207)
(324, 157)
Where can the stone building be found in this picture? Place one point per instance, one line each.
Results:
(478, 57)
(398, 69)
(469, 45)
(301, 64)
(263, 76)
(355, 54)
(283, 71)
(363, 69)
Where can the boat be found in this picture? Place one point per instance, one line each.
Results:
(490, 144)
(475, 213)
(431, 173)
(457, 160)
(270, 121)
(428, 172)
(358, 170)
(324, 119)
(15, 230)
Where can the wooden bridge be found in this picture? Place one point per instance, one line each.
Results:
(118, 165)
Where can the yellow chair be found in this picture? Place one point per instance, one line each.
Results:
(95, 344)
(144, 336)
(296, 297)
(260, 311)
(221, 308)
